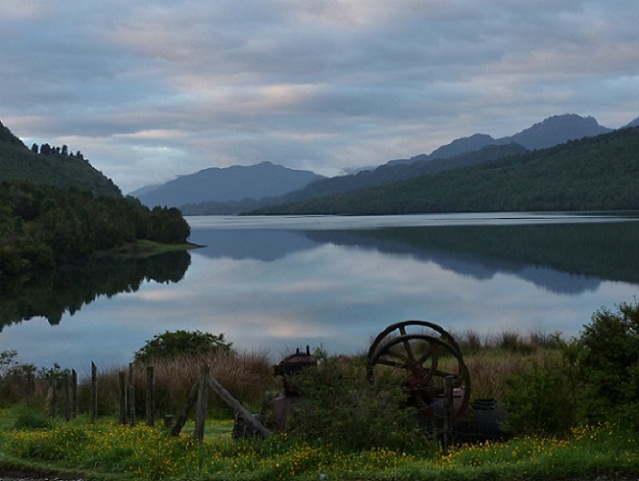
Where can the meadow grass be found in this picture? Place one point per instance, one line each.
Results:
(146, 453)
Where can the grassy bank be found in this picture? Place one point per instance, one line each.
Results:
(147, 248)
(108, 451)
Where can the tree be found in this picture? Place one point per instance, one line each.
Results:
(607, 360)
(182, 344)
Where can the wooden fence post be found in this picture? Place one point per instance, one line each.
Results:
(74, 394)
(94, 393)
(123, 406)
(67, 397)
(52, 398)
(150, 396)
(202, 402)
(130, 399)
(30, 383)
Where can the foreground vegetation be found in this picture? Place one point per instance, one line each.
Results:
(572, 414)
(142, 452)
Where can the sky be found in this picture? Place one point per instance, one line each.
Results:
(150, 90)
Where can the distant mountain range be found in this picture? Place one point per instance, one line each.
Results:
(237, 189)
(599, 173)
(552, 131)
(227, 184)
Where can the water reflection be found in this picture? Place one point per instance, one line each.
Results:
(54, 293)
(261, 244)
(335, 282)
(562, 258)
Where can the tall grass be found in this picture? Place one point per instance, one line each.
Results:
(493, 358)
(247, 376)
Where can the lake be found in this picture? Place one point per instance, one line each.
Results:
(277, 283)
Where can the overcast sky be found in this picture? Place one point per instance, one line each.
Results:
(149, 90)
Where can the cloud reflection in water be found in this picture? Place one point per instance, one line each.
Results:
(278, 289)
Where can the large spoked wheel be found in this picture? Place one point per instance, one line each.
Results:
(428, 360)
(412, 327)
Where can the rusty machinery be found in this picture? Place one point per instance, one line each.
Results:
(437, 381)
(431, 358)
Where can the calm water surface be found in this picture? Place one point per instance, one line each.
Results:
(279, 283)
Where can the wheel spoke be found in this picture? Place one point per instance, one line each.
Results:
(390, 362)
(409, 350)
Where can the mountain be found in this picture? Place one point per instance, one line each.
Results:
(54, 167)
(593, 173)
(461, 152)
(634, 123)
(557, 130)
(233, 183)
(388, 173)
(554, 130)
(459, 146)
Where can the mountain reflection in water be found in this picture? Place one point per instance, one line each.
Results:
(562, 258)
(278, 283)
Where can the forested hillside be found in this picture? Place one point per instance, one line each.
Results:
(42, 226)
(50, 165)
(389, 173)
(595, 173)
(56, 209)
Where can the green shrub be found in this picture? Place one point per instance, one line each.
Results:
(32, 417)
(606, 360)
(541, 400)
(182, 343)
(339, 407)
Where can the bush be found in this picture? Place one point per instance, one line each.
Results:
(171, 345)
(606, 360)
(541, 400)
(339, 407)
(32, 417)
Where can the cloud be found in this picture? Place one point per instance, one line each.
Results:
(153, 89)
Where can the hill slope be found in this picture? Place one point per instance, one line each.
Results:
(460, 152)
(387, 174)
(557, 130)
(595, 173)
(17, 162)
(228, 184)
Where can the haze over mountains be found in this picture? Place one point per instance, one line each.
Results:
(228, 190)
